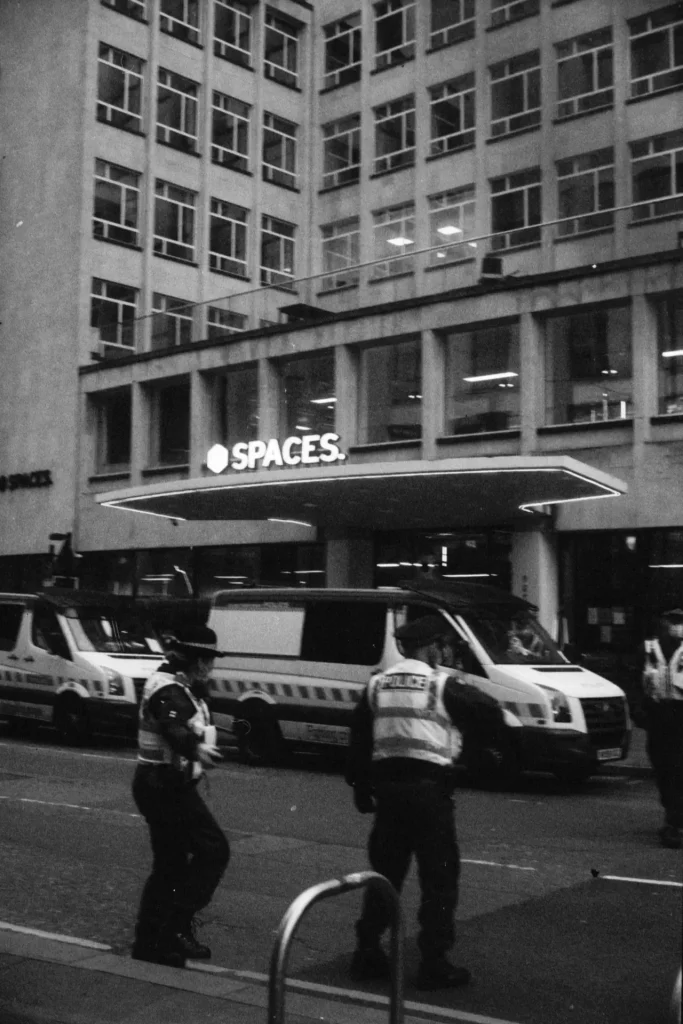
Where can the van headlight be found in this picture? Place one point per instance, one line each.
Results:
(559, 705)
(114, 683)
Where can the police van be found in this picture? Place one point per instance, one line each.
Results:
(297, 662)
(75, 660)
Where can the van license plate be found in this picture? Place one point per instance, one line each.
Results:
(611, 754)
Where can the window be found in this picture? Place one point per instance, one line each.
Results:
(171, 321)
(588, 366)
(452, 115)
(670, 348)
(503, 11)
(344, 632)
(232, 31)
(281, 62)
(47, 634)
(180, 18)
(342, 51)
(119, 88)
(113, 431)
(228, 238)
(657, 174)
(116, 203)
(341, 151)
(112, 316)
(11, 616)
(230, 132)
(516, 94)
(174, 221)
(224, 322)
(451, 22)
(657, 50)
(585, 186)
(277, 251)
(133, 8)
(172, 422)
(451, 220)
(515, 209)
(394, 135)
(390, 393)
(341, 253)
(307, 394)
(279, 151)
(394, 32)
(585, 73)
(394, 235)
(237, 405)
(482, 379)
(177, 111)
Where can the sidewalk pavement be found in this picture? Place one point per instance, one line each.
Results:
(48, 979)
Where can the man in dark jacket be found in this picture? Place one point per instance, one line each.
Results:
(176, 742)
(406, 731)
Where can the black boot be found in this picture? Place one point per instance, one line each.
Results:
(369, 963)
(184, 940)
(440, 974)
(154, 951)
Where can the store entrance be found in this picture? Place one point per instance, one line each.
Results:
(480, 556)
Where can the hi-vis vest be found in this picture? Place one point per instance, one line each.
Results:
(152, 747)
(662, 680)
(409, 716)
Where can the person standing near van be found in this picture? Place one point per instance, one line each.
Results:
(661, 714)
(401, 767)
(176, 742)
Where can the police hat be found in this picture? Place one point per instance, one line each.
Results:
(423, 631)
(196, 640)
(673, 615)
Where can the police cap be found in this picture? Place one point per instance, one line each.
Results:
(423, 631)
(673, 615)
(196, 640)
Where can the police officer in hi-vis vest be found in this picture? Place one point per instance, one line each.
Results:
(405, 734)
(661, 714)
(176, 742)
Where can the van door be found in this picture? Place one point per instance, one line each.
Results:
(13, 615)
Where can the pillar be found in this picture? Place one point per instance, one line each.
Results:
(348, 558)
(535, 574)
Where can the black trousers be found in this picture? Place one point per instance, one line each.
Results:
(665, 750)
(190, 852)
(415, 818)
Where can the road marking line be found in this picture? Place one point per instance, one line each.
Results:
(6, 926)
(73, 807)
(643, 881)
(349, 995)
(497, 864)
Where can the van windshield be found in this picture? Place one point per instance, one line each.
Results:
(107, 632)
(514, 638)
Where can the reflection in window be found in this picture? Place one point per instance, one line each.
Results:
(394, 235)
(451, 22)
(586, 186)
(482, 380)
(670, 346)
(232, 31)
(341, 253)
(584, 73)
(342, 51)
(588, 367)
(451, 220)
(112, 317)
(113, 431)
(394, 32)
(281, 60)
(307, 394)
(171, 321)
(657, 175)
(516, 94)
(237, 405)
(516, 209)
(656, 50)
(173, 424)
(452, 115)
(390, 392)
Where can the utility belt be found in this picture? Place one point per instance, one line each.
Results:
(167, 776)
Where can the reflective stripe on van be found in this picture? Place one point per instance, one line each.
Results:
(292, 691)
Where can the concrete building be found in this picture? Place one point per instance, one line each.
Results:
(445, 233)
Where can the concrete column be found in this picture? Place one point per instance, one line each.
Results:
(531, 380)
(200, 421)
(535, 573)
(645, 364)
(346, 393)
(140, 432)
(348, 558)
(268, 399)
(433, 392)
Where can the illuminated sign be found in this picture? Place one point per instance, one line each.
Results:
(307, 450)
(38, 478)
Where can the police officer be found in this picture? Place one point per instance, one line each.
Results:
(400, 765)
(661, 714)
(176, 743)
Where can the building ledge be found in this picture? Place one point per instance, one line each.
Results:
(567, 428)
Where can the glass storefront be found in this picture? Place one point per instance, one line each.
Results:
(307, 395)
(236, 395)
(482, 380)
(390, 392)
(670, 344)
(482, 557)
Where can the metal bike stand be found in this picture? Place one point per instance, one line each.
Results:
(290, 922)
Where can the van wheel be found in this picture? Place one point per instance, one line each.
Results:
(71, 721)
(259, 740)
(493, 767)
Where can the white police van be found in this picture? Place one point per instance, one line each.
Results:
(298, 662)
(75, 660)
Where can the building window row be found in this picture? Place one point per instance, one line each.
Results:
(585, 362)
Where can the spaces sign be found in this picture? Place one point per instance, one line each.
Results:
(15, 481)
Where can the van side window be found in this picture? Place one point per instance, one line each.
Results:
(344, 632)
(10, 621)
(47, 633)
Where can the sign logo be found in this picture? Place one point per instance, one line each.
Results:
(307, 450)
(38, 478)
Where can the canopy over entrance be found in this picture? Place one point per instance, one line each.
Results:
(388, 495)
